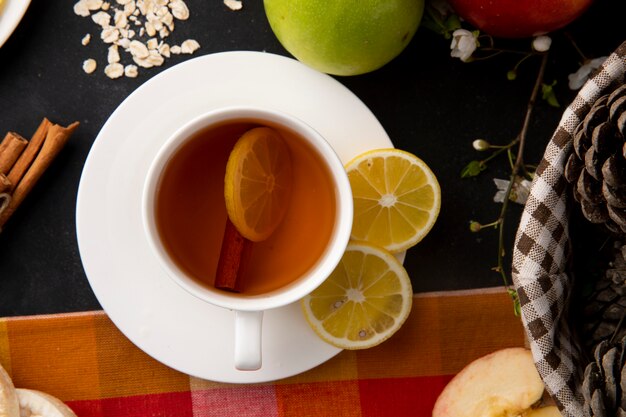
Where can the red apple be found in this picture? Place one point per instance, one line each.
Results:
(519, 18)
(502, 383)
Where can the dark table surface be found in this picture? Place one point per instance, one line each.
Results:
(429, 103)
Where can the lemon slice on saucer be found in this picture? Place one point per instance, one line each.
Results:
(396, 198)
(257, 185)
(364, 301)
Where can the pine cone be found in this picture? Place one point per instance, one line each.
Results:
(605, 308)
(597, 167)
(604, 383)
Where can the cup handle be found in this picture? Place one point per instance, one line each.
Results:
(248, 340)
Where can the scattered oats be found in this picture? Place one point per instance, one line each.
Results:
(233, 4)
(114, 55)
(164, 49)
(155, 58)
(93, 4)
(179, 9)
(141, 5)
(151, 6)
(143, 62)
(168, 20)
(152, 43)
(120, 19)
(124, 43)
(114, 70)
(155, 19)
(129, 8)
(102, 18)
(138, 50)
(110, 35)
(150, 30)
(189, 46)
(89, 65)
(162, 11)
(131, 71)
(81, 9)
(157, 25)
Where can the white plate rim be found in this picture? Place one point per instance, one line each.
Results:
(96, 242)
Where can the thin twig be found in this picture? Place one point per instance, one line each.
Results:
(499, 150)
(575, 45)
(519, 163)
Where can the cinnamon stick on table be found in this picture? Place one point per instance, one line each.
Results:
(28, 156)
(56, 137)
(5, 184)
(10, 149)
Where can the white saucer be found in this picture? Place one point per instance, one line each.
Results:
(157, 315)
(11, 14)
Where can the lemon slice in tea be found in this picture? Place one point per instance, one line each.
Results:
(364, 301)
(396, 198)
(257, 185)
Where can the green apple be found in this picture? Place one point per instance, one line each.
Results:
(344, 37)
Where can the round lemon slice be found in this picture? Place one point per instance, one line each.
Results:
(257, 185)
(364, 301)
(396, 198)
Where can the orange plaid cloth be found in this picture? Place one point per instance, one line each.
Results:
(83, 359)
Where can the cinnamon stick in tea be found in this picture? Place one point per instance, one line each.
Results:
(10, 149)
(28, 156)
(56, 137)
(234, 256)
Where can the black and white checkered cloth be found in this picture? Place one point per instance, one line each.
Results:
(542, 249)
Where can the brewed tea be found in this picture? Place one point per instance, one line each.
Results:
(191, 213)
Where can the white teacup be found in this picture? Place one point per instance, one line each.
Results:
(249, 309)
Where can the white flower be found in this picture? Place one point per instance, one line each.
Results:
(480, 145)
(542, 43)
(578, 79)
(463, 44)
(519, 193)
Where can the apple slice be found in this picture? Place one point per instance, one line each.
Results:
(9, 405)
(504, 383)
(35, 403)
(551, 411)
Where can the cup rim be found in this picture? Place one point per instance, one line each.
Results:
(298, 288)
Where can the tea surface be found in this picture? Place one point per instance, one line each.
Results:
(191, 213)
